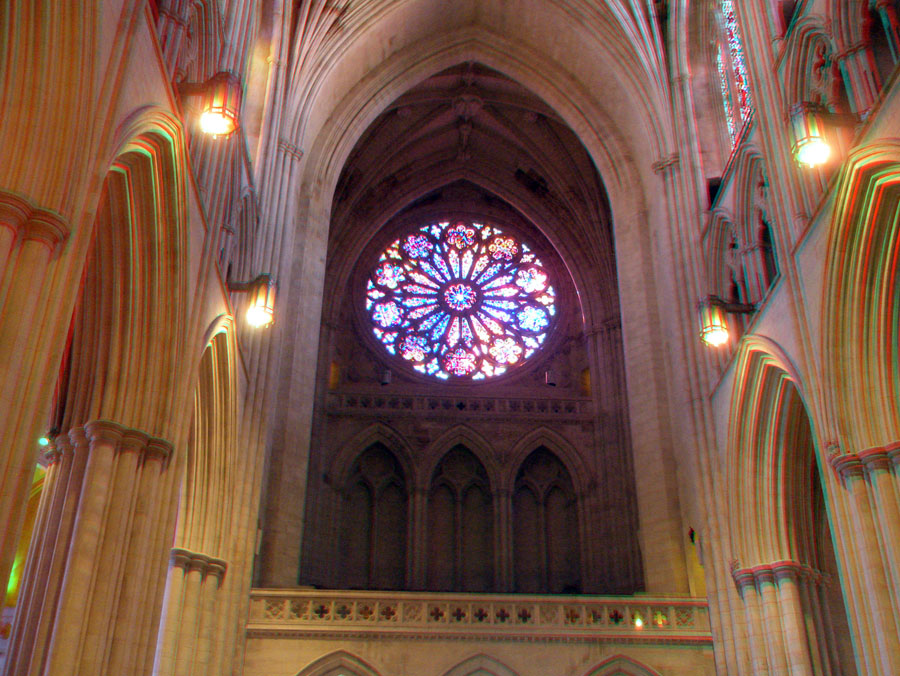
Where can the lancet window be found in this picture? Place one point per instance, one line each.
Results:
(732, 67)
(545, 527)
(460, 525)
(374, 518)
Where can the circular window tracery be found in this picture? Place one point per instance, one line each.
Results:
(460, 300)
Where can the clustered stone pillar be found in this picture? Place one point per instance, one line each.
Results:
(89, 598)
(30, 240)
(870, 480)
(189, 639)
(788, 631)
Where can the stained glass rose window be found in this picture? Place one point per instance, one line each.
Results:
(460, 300)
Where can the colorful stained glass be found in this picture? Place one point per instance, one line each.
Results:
(733, 78)
(462, 300)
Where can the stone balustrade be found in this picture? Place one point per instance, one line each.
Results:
(503, 617)
(423, 405)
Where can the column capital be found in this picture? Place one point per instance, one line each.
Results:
(205, 564)
(289, 148)
(34, 223)
(846, 465)
(875, 458)
(160, 448)
(133, 440)
(104, 430)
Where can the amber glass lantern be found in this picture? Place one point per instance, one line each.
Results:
(810, 146)
(713, 327)
(221, 105)
(261, 312)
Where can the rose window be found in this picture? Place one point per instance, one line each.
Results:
(460, 300)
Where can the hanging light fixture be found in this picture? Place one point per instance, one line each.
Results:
(809, 131)
(808, 128)
(261, 312)
(713, 327)
(220, 112)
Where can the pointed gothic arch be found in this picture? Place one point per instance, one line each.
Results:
(341, 465)
(458, 435)
(781, 534)
(556, 444)
(859, 328)
(339, 663)
(621, 665)
(480, 665)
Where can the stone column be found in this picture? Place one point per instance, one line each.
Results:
(796, 639)
(30, 241)
(418, 542)
(87, 608)
(190, 625)
(503, 529)
(878, 643)
(756, 643)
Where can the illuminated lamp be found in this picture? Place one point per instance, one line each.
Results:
(713, 327)
(220, 112)
(809, 122)
(261, 312)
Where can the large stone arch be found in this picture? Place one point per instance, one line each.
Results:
(117, 403)
(556, 444)
(340, 100)
(765, 392)
(860, 336)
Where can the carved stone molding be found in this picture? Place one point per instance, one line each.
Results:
(769, 573)
(206, 565)
(30, 222)
(666, 163)
(868, 461)
(487, 407)
(123, 439)
(289, 148)
(478, 617)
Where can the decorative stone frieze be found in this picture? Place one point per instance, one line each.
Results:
(487, 407)
(493, 617)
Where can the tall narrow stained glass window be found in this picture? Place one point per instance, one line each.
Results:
(460, 300)
(732, 69)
